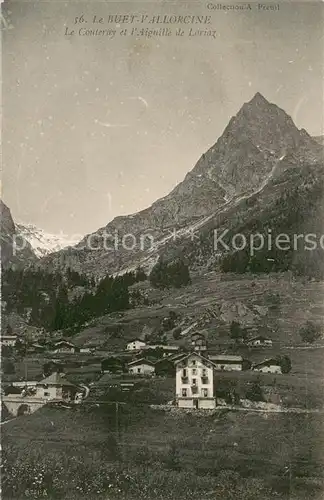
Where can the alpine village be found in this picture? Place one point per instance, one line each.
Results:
(175, 370)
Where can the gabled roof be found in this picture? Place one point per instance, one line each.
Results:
(162, 346)
(195, 353)
(55, 379)
(64, 342)
(268, 362)
(141, 361)
(198, 334)
(259, 337)
(225, 357)
(175, 356)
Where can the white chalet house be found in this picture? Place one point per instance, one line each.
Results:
(195, 382)
(141, 367)
(135, 345)
(64, 346)
(259, 341)
(270, 365)
(56, 387)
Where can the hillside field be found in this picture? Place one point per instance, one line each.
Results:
(276, 304)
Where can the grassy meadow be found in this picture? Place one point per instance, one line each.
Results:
(135, 452)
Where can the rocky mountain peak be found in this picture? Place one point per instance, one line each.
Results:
(260, 142)
(259, 101)
(251, 147)
(267, 127)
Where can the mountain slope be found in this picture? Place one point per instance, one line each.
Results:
(290, 204)
(258, 145)
(319, 139)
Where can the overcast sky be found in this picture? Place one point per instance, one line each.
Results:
(96, 127)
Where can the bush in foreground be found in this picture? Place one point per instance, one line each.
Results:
(72, 479)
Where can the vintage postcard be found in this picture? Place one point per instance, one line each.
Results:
(162, 250)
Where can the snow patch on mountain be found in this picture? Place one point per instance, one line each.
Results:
(44, 243)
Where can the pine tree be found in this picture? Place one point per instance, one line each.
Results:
(61, 309)
(173, 274)
(178, 274)
(140, 274)
(8, 329)
(158, 276)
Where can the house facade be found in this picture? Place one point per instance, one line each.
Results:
(135, 345)
(56, 387)
(8, 340)
(36, 348)
(64, 346)
(268, 366)
(141, 367)
(260, 342)
(194, 382)
(198, 342)
(227, 362)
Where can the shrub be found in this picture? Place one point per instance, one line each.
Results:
(246, 364)
(237, 332)
(255, 393)
(310, 332)
(285, 363)
(177, 333)
(227, 389)
(273, 300)
(8, 367)
(172, 460)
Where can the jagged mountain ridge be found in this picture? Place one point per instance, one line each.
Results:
(237, 163)
(248, 154)
(15, 250)
(7, 231)
(42, 242)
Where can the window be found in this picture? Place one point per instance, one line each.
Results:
(46, 393)
(138, 370)
(193, 362)
(204, 372)
(184, 372)
(184, 393)
(194, 371)
(205, 393)
(194, 381)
